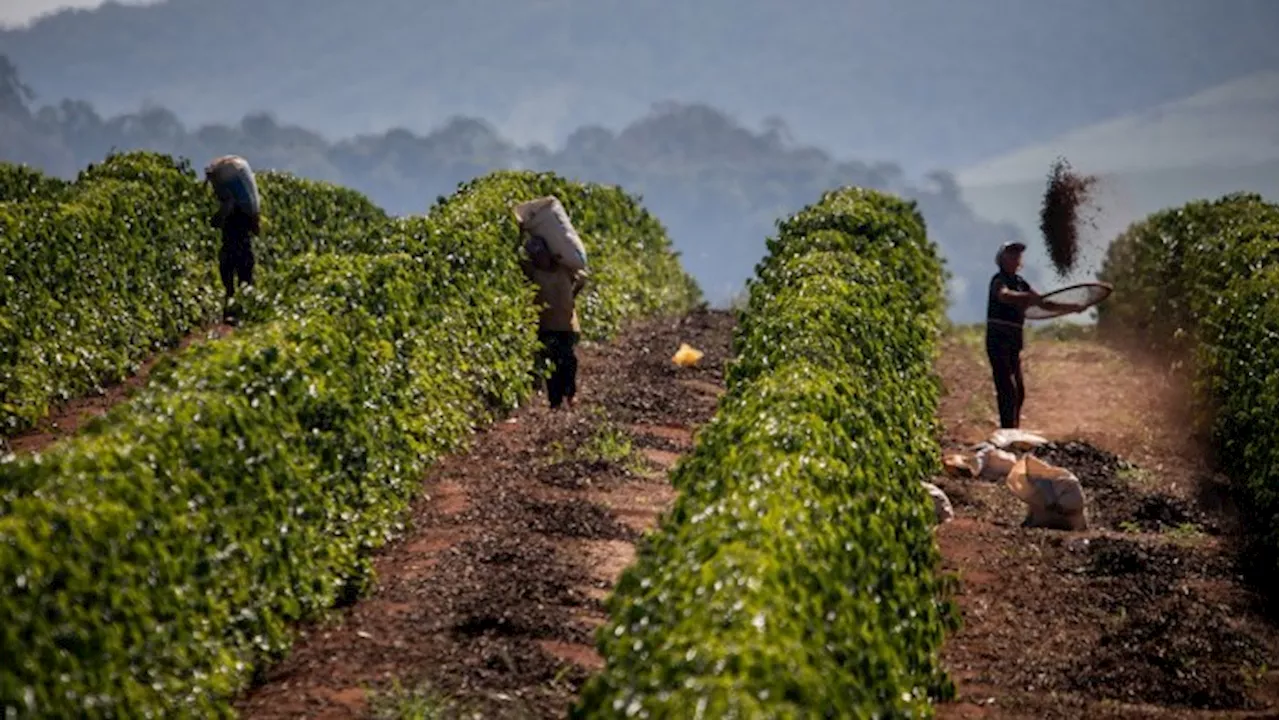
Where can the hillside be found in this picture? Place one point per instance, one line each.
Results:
(355, 504)
(717, 184)
(926, 84)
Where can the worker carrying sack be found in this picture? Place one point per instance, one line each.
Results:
(546, 218)
(233, 180)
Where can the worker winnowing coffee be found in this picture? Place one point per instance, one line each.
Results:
(1008, 297)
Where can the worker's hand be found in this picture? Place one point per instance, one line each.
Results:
(543, 261)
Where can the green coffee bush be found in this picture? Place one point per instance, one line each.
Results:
(107, 270)
(1200, 282)
(633, 270)
(796, 575)
(301, 216)
(1163, 264)
(155, 560)
(19, 183)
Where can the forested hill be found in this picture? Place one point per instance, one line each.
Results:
(717, 185)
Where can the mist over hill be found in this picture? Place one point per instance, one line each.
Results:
(719, 186)
(767, 104)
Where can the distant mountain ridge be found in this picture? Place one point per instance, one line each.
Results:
(718, 186)
(315, 86)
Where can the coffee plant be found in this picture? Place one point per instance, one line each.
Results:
(1200, 282)
(122, 262)
(20, 182)
(796, 575)
(154, 561)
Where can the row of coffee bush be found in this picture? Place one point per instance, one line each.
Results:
(154, 561)
(98, 274)
(1199, 282)
(796, 575)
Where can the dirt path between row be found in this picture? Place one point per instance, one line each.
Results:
(67, 418)
(1145, 614)
(490, 600)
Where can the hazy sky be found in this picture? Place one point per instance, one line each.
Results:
(924, 83)
(17, 12)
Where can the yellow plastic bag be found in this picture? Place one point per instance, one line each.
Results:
(686, 356)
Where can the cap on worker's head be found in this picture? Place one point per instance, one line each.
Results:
(1009, 246)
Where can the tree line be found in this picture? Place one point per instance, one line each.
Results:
(717, 185)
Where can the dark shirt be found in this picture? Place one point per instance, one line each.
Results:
(1002, 313)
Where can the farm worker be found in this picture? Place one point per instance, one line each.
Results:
(558, 329)
(238, 217)
(1008, 298)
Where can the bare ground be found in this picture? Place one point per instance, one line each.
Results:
(1145, 614)
(491, 599)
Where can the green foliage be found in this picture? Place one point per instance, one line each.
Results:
(19, 183)
(301, 215)
(1163, 266)
(418, 703)
(1062, 331)
(796, 575)
(1201, 280)
(91, 285)
(152, 168)
(123, 262)
(153, 561)
(633, 270)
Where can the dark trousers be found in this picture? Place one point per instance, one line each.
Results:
(1004, 350)
(558, 351)
(235, 259)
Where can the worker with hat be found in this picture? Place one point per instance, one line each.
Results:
(1008, 298)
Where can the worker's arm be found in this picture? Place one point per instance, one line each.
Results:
(1018, 298)
(529, 255)
(1052, 306)
(225, 206)
(1031, 298)
(526, 266)
(579, 282)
